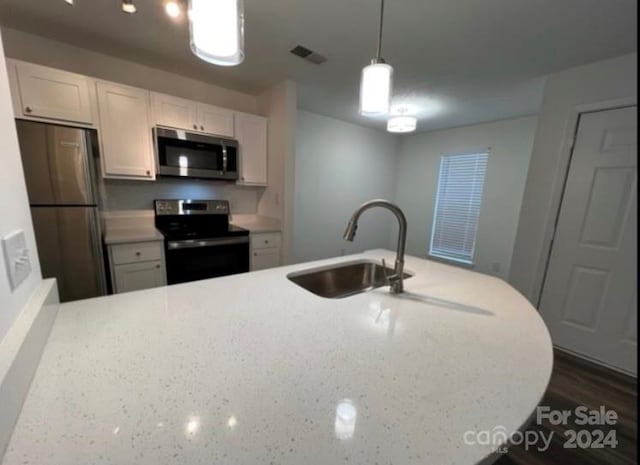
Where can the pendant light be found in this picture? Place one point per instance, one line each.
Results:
(376, 81)
(128, 6)
(217, 31)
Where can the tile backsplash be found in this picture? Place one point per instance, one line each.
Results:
(119, 195)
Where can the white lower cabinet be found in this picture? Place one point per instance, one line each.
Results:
(265, 251)
(137, 266)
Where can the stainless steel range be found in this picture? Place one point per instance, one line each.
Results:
(199, 241)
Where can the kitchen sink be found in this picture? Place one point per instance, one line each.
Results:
(344, 279)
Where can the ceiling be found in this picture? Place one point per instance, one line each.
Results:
(456, 62)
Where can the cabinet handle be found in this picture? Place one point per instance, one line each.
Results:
(137, 254)
(202, 128)
(195, 126)
(158, 267)
(148, 173)
(28, 109)
(266, 242)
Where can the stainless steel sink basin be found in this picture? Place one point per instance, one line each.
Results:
(344, 279)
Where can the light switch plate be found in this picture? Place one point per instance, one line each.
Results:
(16, 257)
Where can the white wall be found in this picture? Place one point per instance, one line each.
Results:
(338, 166)
(566, 94)
(14, 208)
(418, 164)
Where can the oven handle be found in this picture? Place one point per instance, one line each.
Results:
(191, 243)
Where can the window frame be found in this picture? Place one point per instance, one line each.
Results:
(470, 263)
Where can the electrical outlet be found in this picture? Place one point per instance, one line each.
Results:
(16, 255)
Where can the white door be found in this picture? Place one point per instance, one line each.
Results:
(215, 120)
(55, 94)
(125, 132)
(251, 133)
(590, 292)
(174, 112)
(138, 276)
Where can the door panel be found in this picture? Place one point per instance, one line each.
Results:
(56, 164)
(69, 250)
(138, 276)
(125, 126)
(590, 291)
(174, 112)
(35, 161)
(215, 120)
(51, 93)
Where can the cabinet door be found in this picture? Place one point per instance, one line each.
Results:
(51, 93)
(137, 276)
(174, 112)
(262, 259)
(251, 132)
(215, 120)
(125, 132)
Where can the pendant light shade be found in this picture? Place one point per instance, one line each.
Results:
(217, 31)
(402, 124)
(375, 89)
(376, 82)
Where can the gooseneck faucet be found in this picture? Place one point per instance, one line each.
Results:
(395, 280)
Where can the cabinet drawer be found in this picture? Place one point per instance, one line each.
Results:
(265, 240)
(262, 259)
(137, 276)
(139, 252)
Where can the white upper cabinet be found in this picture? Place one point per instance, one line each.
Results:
(125, 132)
(174, 112)
(52, 94)
(215, 120)
(179, 113)
(251, 133)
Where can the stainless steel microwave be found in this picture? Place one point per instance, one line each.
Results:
(182, 153)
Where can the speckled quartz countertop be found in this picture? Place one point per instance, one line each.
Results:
(252, 369)
(256, 223)
(128, 235)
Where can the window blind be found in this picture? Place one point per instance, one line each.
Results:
(458, 199)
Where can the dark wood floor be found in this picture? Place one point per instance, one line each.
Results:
(576, 382)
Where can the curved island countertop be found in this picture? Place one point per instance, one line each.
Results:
(253, 369)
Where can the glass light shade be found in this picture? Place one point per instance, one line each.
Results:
(217, 31)
(172, 8)
(375, 89)
(128, 6)
(402, 124)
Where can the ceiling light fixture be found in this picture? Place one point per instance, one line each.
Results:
(128, 6)
(217, 31)
(402, 123)
(70, 2)
(376, 81)
(173, 9)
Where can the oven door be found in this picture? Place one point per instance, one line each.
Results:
(191, 260)
(180, 153)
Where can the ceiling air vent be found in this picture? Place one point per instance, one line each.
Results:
(309, 55)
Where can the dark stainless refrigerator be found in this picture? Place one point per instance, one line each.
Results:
(59, 170)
